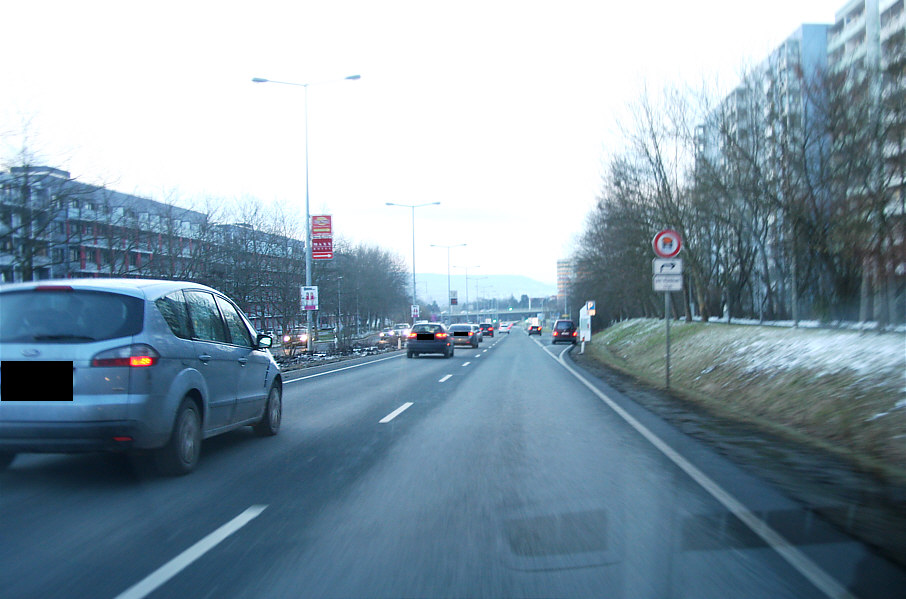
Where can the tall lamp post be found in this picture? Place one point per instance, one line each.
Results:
(307, 211)
(449, 299)
(413, 207)
(467, 281)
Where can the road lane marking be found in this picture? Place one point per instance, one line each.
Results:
(311, 376)
(446, 378)
(183, 560)
(395, 413)
(798, 560)
(464, 364)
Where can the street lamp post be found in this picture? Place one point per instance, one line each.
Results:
(307, 203)
(339, 310)
(413, 207)
(467, 282)
(449, 299)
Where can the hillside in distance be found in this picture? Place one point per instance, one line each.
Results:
(433, 287)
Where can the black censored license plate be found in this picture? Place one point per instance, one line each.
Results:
(36, 381)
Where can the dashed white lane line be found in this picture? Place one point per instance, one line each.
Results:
(184, 559)
(395, 413)
(446, 378)
(464, 364)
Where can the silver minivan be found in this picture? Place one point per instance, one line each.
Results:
(153, 365)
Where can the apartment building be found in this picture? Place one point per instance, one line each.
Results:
(53, 227)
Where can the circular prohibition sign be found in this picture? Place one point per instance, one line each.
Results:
(667, 243)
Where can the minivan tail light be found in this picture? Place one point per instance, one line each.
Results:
(137, 355)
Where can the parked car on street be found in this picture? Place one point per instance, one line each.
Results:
(564, 331)
(129, 365)
(464, 334)
(429, 338)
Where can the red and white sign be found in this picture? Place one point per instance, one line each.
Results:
(321, 237)
(321, 226)
(667, 243)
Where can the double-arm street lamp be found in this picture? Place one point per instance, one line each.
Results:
(413, 206)
(307, 203)
(449, 299)
(467, 281)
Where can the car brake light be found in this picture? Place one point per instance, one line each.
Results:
(135, 356)
(555, 333)
(412, 335)
(575, 333)
(440, 335)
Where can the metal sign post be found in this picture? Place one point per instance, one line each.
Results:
(667, 276)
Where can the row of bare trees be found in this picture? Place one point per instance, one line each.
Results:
(54, 226)
(788, 194)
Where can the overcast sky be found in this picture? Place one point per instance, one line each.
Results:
(502, 111)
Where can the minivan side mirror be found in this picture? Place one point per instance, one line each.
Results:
(264, 341)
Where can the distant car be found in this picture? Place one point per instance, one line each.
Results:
(464, 334)
(295, 338)
(564, 331)
(505, 327)
(534, 326)
(401, 330)
(429, 338)
(130, 364)
(487, 329)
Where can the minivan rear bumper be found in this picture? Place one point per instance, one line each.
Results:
(74, 437)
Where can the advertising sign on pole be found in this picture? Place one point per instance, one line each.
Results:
(414, 310)
(453, 297)
(321, 237)
(310, 298)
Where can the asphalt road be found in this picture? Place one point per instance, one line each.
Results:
(497, 473)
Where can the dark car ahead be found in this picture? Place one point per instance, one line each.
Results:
(564, 331)
(429, 338)
(464, 334)
(129, 364)
(487, 329)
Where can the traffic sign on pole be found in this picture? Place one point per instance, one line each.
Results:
(667, 243)
(667, 266)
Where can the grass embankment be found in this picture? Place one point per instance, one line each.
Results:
(844, 391)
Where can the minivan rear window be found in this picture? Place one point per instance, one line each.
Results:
(68, 316)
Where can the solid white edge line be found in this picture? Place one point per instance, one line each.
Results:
(184, 559)
(395, 413)
(446, 378)
(795, 558)
(311, 376)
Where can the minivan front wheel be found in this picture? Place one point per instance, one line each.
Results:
(180, 455)
(273, 415)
